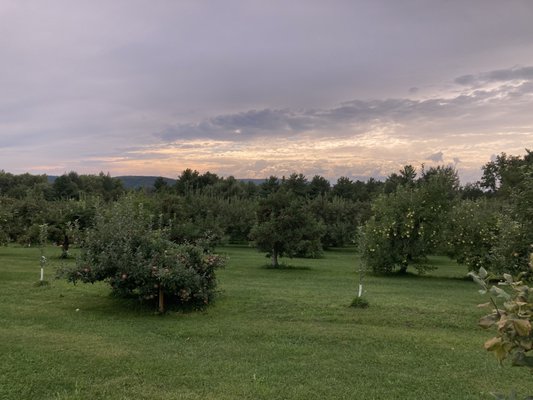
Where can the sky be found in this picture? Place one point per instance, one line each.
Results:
(257, 88)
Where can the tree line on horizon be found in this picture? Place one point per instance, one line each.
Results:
(396, 222)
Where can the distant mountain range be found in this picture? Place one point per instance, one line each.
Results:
(136, 182)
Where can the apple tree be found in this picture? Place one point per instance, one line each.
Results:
(286, 227)
(127, 249)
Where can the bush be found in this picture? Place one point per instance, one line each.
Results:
(136, 257)
(360, 302)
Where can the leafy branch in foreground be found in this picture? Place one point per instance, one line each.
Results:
(511, 318)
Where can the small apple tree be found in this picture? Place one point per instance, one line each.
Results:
(127, 249)
(286, 227)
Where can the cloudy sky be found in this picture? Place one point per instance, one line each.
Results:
(257, 88)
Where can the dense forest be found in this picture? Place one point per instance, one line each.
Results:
(396, 223)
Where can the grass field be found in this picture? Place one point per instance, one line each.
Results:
(272, 334)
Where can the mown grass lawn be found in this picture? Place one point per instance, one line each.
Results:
(272, 334)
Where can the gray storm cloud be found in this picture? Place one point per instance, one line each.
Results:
(350, 117)
(500, 75)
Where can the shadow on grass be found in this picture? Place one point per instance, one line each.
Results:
(414, 275)
(285, 267)
(116, 307)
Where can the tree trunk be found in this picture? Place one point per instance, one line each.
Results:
(161, 300)
(403, 269)
(274, 258)
(65, 246)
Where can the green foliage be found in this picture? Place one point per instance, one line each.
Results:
(472, 191)
(357, 191)
(286, 227)
(195, 217)
(193, 182)
(237, 217)
(511, 249)
(21, 217)
(297, 184)
(160, 184)
(407, 224)
(319, 186)
(196, 207)
(271, 185)
(359, 302)
(516, 239)
(19, 186)
(197, 230)
(4, 238)
(341, 219)
(505, 172)
(472, 232)
(30, 236)
(128, 250)
(396, 234)
(497, 233)
(74, 186)
(510, 178)
(511, 318)
(406, 177)
(5, 219)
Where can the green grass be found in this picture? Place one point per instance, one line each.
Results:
(272, 334)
